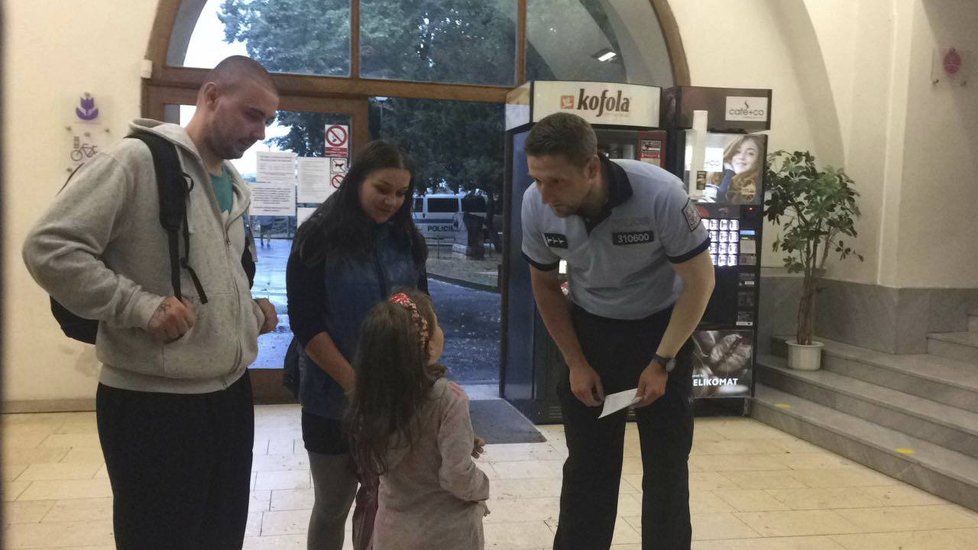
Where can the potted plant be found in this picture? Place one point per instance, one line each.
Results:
(815, 209)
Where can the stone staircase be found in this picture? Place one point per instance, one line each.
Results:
(913, 417)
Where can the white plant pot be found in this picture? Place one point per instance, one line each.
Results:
(804, 357)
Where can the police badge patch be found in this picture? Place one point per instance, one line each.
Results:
(555, 240)
(692, 216)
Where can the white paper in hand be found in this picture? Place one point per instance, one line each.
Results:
(617, 401)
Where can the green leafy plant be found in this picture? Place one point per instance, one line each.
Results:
(815, 209)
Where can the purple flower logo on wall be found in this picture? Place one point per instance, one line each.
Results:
(87, 110)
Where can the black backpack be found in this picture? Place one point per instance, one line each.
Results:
(174, 186)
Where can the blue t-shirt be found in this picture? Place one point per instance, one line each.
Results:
(223, 188)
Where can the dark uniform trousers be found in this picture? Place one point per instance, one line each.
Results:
(179, 465)
(619, 350)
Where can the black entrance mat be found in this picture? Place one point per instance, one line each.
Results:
(496, 421)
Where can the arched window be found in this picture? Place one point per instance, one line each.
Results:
(432, 74)
(470, 50)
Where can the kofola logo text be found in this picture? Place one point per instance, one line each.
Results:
(747, 108)
(602, 104)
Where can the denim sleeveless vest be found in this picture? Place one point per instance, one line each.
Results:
(351, 288)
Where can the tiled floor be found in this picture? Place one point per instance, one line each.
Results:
(752, 487)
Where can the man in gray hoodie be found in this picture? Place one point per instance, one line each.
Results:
(174, 408)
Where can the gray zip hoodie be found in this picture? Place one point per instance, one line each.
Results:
(100, 251)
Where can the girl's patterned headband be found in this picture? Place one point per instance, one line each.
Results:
(419, 321)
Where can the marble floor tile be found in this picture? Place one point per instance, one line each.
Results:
(66, 489)
(292, 499)
(750, 500)
(260, 501)
(281, 446)
(751, 487)
(79, 510)
(824, 498)
(61, 470)
(843, 477)
(628, 530)
(72, 440)
(280, 463)
(13, 471)
(289, 522)
(717, 526)
(909, 518)
(297, 479)
(774, 479)
(736, 463)
(796, 523)
(34, 455)
(84, 454)
(58, 535)
(32, 511)
(529, 469)
(774, 543)
(901, 495)
(283, 542)
(13, 489)
(706, 502)
(945, 539)
(521, 535)
(524, 509)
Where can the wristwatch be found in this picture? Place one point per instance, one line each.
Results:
(668, 363)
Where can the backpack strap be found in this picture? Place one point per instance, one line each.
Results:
(174, 187)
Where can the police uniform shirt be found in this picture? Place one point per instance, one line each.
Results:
(619, 262)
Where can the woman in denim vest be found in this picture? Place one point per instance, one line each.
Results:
(354, 250)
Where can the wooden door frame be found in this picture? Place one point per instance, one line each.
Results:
(169, 17)
(174, 85)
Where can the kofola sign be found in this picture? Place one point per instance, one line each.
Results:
(594, 103)
(598, 102)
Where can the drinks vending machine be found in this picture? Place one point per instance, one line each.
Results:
(707, 137)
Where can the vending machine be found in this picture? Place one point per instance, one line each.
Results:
(714, 148)
(625, 118)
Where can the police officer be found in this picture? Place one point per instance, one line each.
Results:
(640, 278)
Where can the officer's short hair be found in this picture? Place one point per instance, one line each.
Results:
(562, 134)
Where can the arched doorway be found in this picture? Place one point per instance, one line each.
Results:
(432, 73)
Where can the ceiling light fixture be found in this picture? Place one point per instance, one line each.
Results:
(605, 55)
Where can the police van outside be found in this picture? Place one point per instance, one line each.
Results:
(440, 215)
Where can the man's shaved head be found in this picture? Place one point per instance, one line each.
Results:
(232, 71)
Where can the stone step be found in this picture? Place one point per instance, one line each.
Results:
(939, 379)
(973, 322)
(940, 471)
(937, 423)
(962, 346)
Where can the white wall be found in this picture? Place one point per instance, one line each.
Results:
(740, 45)
(854, 52)
(938, 237)
(851, 84)
(55, 51)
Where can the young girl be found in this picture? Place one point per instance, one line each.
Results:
(410, 426)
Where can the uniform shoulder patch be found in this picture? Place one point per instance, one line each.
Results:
(555, 240)
(691, 215)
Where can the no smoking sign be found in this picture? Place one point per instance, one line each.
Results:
(337, 140)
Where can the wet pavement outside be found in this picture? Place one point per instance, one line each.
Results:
(469, 316)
